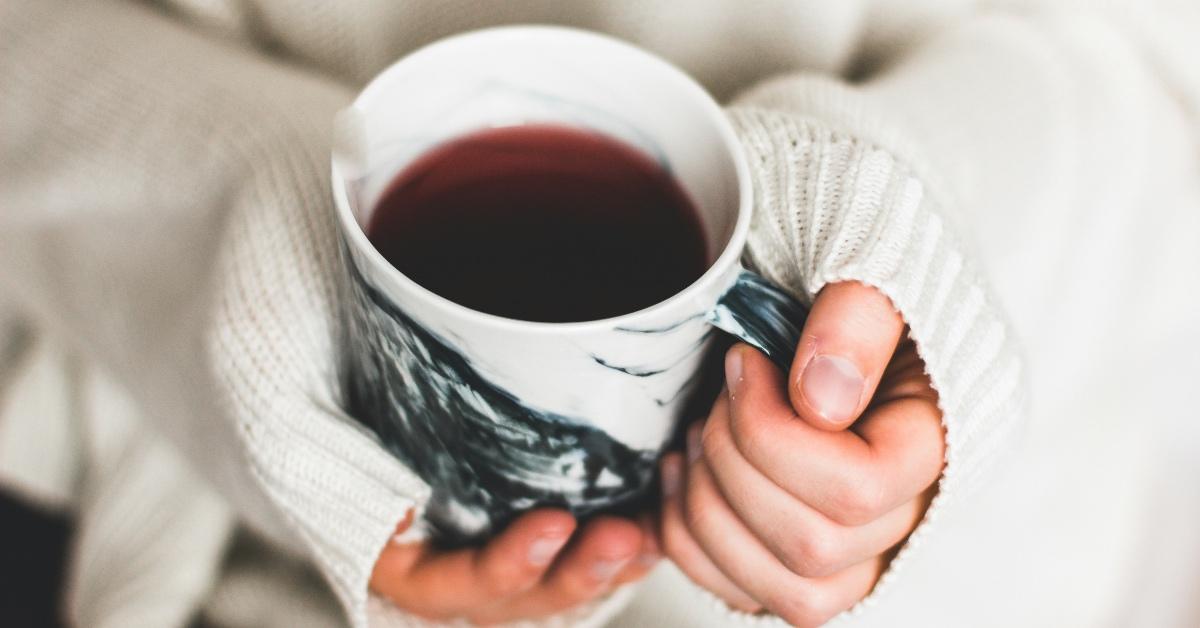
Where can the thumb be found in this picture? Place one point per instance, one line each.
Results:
(848, 340)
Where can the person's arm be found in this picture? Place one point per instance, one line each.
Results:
(140, 162)
(165, 209)
(946, 181)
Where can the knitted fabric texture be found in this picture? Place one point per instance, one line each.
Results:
(165, 215)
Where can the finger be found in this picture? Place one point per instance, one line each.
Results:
(519, 558)
(683, 550)
(607, 546)
(751, 566)
(397, 558)
(848, 339)
(546, 599)
(449, 584)
(905, 377)
(851, 476)
(807, 542)
(587, 569)
(647, 558)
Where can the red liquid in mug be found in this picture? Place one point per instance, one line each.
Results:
(541, 223)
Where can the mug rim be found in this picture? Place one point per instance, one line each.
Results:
(716, 271)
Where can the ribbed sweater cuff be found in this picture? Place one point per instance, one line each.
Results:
(270, 345)
(835, 202)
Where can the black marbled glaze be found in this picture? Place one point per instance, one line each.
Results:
(486, 455)
(763, 315)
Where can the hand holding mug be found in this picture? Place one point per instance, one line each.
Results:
(506, 415)
(501, 411)
(540, 565)
(794, 491)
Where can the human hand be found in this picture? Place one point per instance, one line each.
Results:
(793, 494)
(522, 573)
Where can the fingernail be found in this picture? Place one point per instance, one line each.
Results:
(670, 477)
(605, 570)
(543, 550)
(733, 371)
(693, 443)
(832, 386)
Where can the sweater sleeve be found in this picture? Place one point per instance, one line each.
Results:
(910, 179)
(832, 205)
(166, 209)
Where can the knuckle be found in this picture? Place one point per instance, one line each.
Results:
(815, 553)
(822, 605)
(502, 576)
(858, 500)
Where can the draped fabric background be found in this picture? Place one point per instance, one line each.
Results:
(166, 266)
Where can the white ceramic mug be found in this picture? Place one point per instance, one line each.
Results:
(500, 415)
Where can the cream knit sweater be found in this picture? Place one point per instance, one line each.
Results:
(168, 266)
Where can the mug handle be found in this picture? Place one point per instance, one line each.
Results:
(761, 314)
